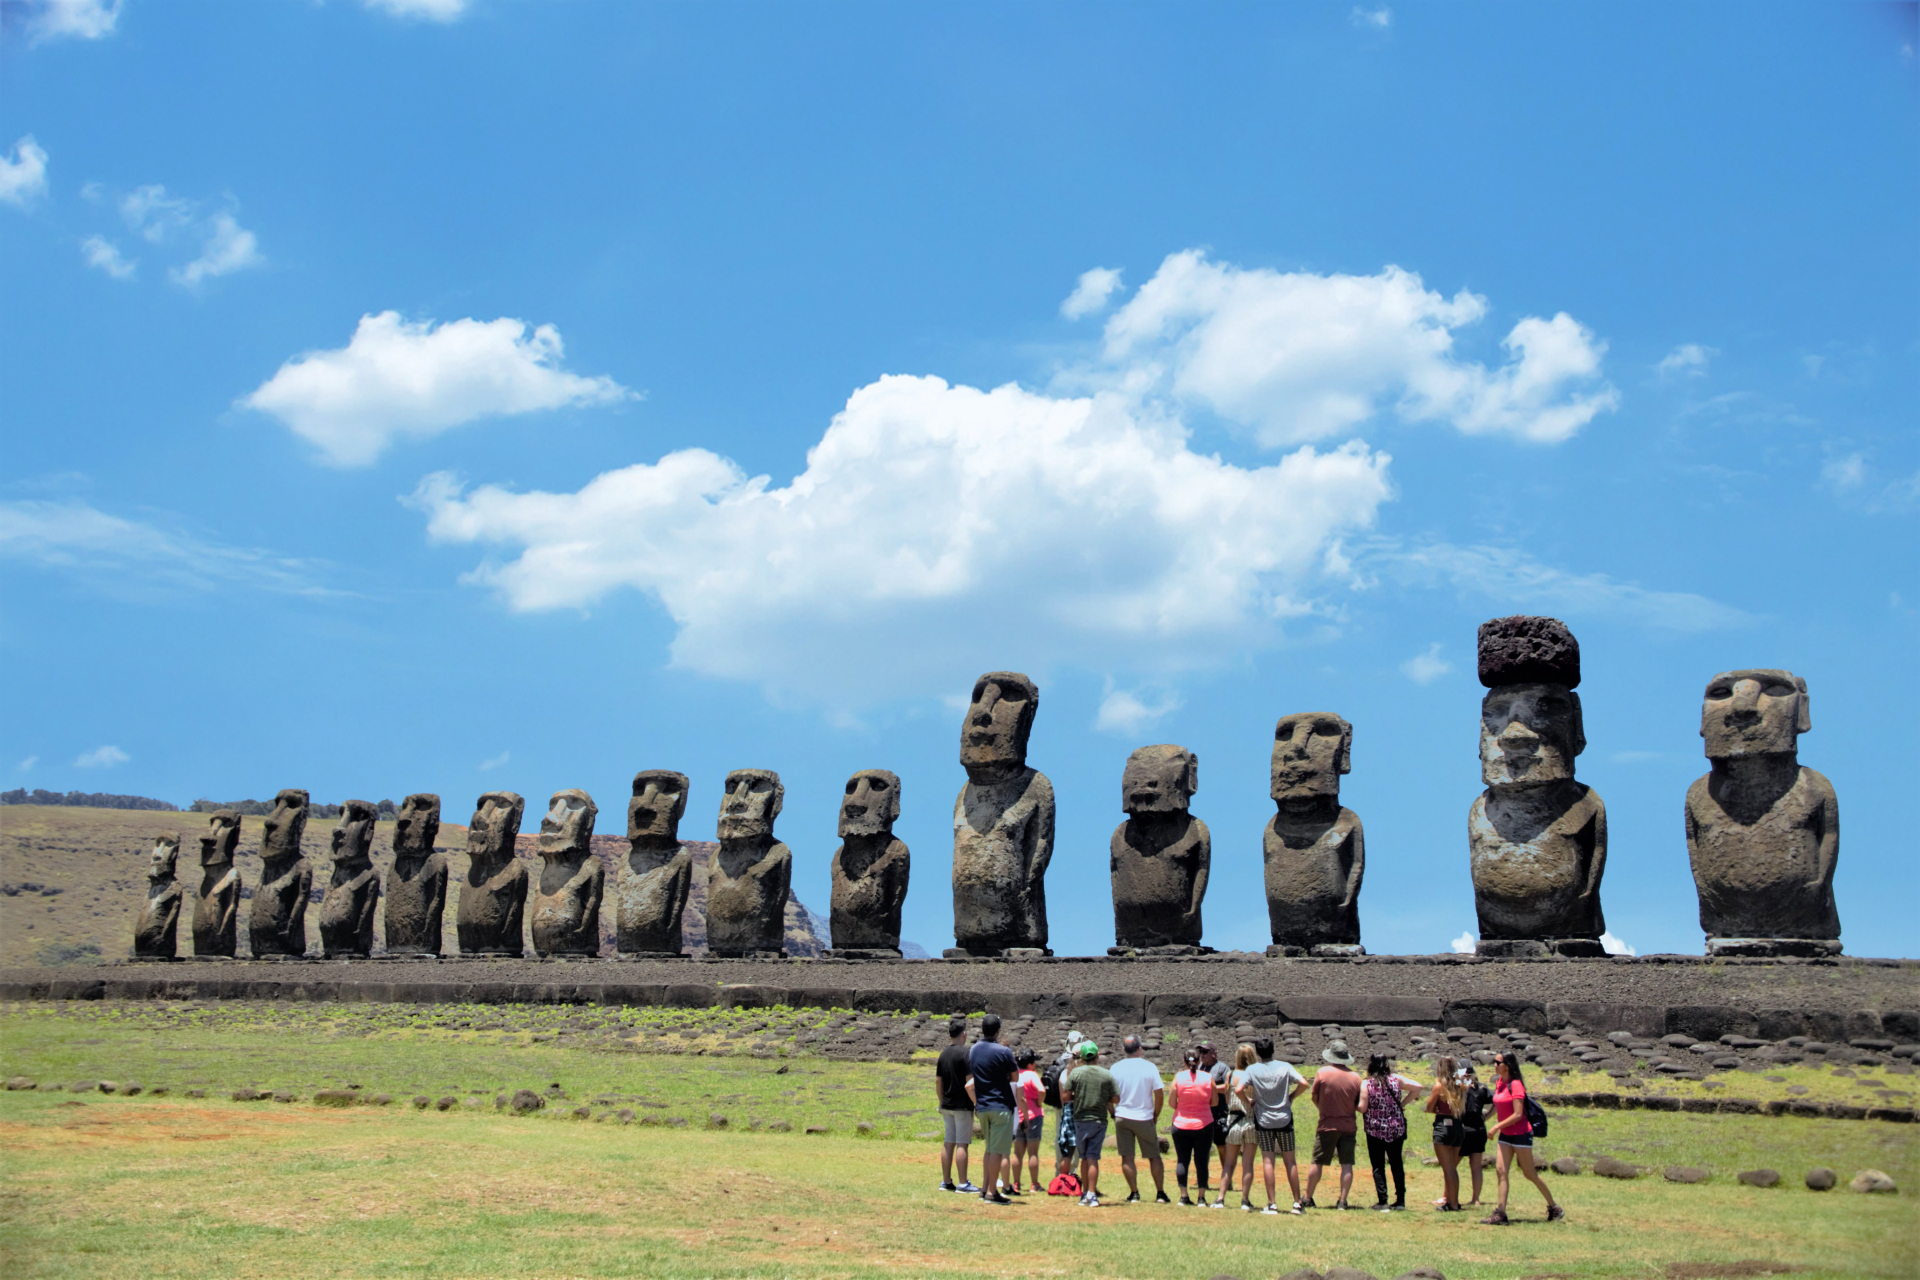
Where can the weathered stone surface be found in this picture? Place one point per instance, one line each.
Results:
(1314, 850)
(159, 923)
(1002, 823)
(277, 925)
(1538, 837)
(658, 876)
(417, 884)
(566, 900)
(1609, 1167)
(750, 872)
(1565, 1164)
(1160, 856)
(216, 910)
(1301, 1273)
(526, 1100)
(1873, 1181)
(1763, 833)
(493, 897)
(1349, 1273)
(353, 892)
(1822, 1179)
(870, 868)
(1684, 1173)
(1422, 1273)
(1759, 1177)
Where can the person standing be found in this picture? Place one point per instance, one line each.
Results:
(1269, 1089)
(1027, 1121)
(1446, 1102)
(991, 1067)
(1478, 1100)
(1136, 1119)
(1383, 1109)
(1240, 1139)
(1091, 1090)
(1193, 1093)
(1222, 1085)
(1336, 1093)
(1052, 1079)
(950, 1076)
(1514, 1134)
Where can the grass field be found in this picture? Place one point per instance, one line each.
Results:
(95, 1185)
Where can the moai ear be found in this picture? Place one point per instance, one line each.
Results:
(1343, 761)
(779, 800)
(1578, 727)
(1805, 722)
(1193, 773)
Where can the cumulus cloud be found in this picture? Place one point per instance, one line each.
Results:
(395, 380)
(425, 10)
(101, 758)
(64, 19)
(1616, 946)
(1130, 710)
(105, 255)
(160, 218)
(1689, 359)
(1091, 293)
(73, 537)
(1001, 528)
(1294, 357)
(1425, 668)
(23, 173)
(1372, 19)
(1465, 944)
(229, 247)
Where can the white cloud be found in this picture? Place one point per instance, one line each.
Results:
(1616, 946)
(1091, 293)
(101, 758)
(154, 214)
(73, 19)
(1849, 472)
(229, 247)
(426, 10)
(1297, 356)
(104, 254)
(23, 173)
(1425, 668)
(1372, 19)
(1465, 944)
(937, 527)
(1130, 710)
(74, 537)
(28, 763)
(398, 380)
(495, 762)
(1689, 359)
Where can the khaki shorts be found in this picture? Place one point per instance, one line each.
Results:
(997, 1125)
(1128, 1132)
(1327, 1145)
(1240, 1132)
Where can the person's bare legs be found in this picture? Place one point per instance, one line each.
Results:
(1089, 1177)
(1346, 1181)
(1129, 1170)
(1229, 1154)
(991, 1165)
(1293, 1176)
(1476, 1164)
(1157, 1166)
(953, 1153)
(1502, 1157)
(1313, 1178)
(1266, 1171)
(1449, 1158)
(1524, 1156)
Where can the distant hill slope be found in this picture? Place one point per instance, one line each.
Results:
(72, 879)
(86, 799)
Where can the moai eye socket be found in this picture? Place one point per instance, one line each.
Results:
(877, 784)
(1284, 733)
(1012, 693)
(761, 787)
(853, 785)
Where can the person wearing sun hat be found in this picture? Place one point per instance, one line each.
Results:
(1091, 1090)
(1336, 1094)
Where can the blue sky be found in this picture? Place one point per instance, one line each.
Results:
(441, 396)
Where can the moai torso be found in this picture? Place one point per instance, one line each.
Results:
(1160, 856)
(1002, 822)
(1314, 850)
(154, 935)
(658, 876)
(1763, 832)
(870, 868)
(277, 926)
(216, 912)
(417, 884)
(353, 891)
(566, 899)
(750, 873)
(493, 894)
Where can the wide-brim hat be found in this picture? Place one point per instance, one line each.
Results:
(1337, 1054)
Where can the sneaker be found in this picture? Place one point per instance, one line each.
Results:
(1555, 1213)
(1221, 1203)
(948, 1186)
(1272, 1210)
(1093, 1201)
(1297, 1210)
(1006, 1190)
(1133, 1197)
(1086, 1200)
(994, 1198)
(1309, 1204)
(1188, 1204)
(1161, 1198)
(1498, 1218)
(1246, 1206)
(1398, 1206)
(967, 1188)
(1381, 1207)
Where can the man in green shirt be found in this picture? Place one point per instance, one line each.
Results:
(1091, 1090)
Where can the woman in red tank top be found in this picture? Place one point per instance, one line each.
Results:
(1515, 1134)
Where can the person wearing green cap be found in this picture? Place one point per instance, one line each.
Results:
(1091, 1090)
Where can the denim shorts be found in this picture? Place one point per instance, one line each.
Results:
(1089, 1136)
(1028, 1130)
(1517, 1140)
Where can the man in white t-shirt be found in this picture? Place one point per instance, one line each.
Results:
(1142, 1094)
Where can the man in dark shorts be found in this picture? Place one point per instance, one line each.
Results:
(1473, 1129)
(950, 1077)
(993, 1069)
(1336, 1092)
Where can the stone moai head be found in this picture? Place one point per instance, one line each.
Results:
(1311, 749)
(353, 836)
(417, 827)
(166, 850)
(495, 826)
(1530, 728)
(659, 800)
(871, 805)
(222, 838)
(567, 827)
(999, 718)
(1159, 779)
(1757, 712)
(285, 826)
(752, 802)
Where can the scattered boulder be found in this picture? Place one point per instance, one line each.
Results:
(473, 1104)
(380, 1100)
(334, 1098)
(1822, 1179)
(1869, 1181)
(820, 1128)
(864, 1127)
(128, 1090)
(1431, 1162)
(421, 1102)
(15, 1083)
(677, 1122)
(583, 1113)
(1608, 1167)
(1566, 1165)
(1760, 1177)
(84, 1086)
(716, 1121)
(1304, 1273)
(525, 1100)
(785, 1126)
(196, 1093)
(445, 1104)
(1349, 1273)
(158, 1091)
(1421, 1273)
(624, 1115)
(1686, 1173)
(285, 1095)
(245, 1094)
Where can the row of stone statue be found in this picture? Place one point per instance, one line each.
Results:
(1762, 833)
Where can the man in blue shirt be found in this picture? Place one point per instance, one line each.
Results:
(993, 1069)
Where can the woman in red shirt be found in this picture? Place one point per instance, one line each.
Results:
(1193, 1094)
(1027, 1095)
(1515, 1134)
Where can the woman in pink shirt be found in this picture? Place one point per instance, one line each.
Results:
(1193, 1094)
(1515, 1133)
(1027, 1093)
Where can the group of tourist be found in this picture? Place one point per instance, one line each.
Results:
(1243, 1108)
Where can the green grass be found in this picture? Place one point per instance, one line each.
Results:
(144, 1186)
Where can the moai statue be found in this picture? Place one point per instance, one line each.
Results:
(153, 936)
(1763, 832)
(659, 875)
(1538, 838)
(566, 898)
(1002, 825)
(216, 912)
(353, 892)
(747, 879)
(1315, 850)
(417, 885)
(1159, 856)
(277, 928)
(494, 894)
(869, 870)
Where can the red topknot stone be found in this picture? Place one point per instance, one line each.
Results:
(1526, 650)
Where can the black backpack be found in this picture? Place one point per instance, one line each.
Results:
(1050, 1079)
(1536, 1117)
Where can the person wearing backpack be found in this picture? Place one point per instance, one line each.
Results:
(1063, 1147)
(1513, 1130)
(1478, 1102)
(1384, 1115)
(1027, 1123)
